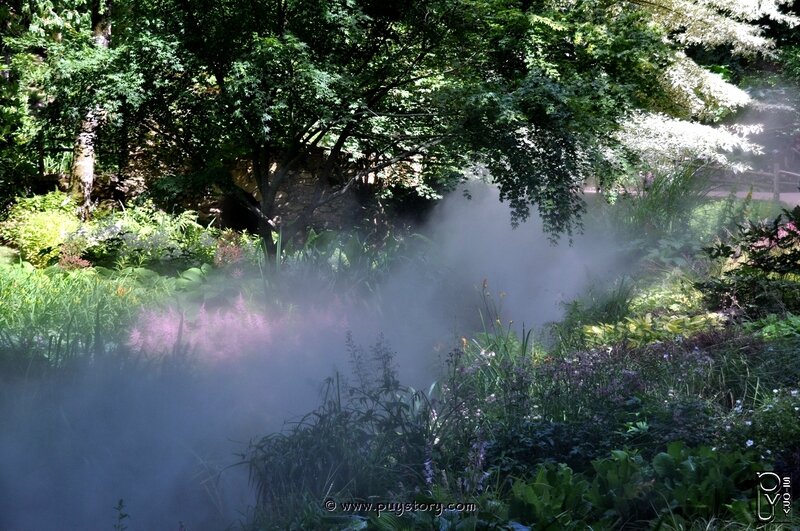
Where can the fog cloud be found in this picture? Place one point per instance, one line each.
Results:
(163, 434)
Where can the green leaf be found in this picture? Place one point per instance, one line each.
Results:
(193, 274)
(664, 464)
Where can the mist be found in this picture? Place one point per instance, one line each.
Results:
(163, 434)
(774, 118)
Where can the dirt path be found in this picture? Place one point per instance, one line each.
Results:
(789, 198)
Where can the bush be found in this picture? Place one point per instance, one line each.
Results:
(702, 483)
(143, 235)
(40, 236)
(39, 225)
(350, 262)
(45, 227)
(673, 294)
(760, 268)
(555, 497)
(775, 326)
(611, 438)
(715, 217)
(596, 306)
(624, 490)
(662, 209)
(790, 60)
(772, 428)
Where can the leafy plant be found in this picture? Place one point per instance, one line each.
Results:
(38, 226)
(554, 498)
(700, 482)
(775, 326)
(621, 487)
(639, 331)
(760, 268)
(142, 235)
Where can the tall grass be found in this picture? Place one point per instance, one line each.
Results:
(598, 305)
(662, 207)
(368, 437)
(50, 315)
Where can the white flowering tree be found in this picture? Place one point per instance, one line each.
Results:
(686, 124)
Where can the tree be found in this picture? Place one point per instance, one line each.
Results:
(523, 88)
(686, 123)
(534, 91)
(83, 161)
(17, 165)
(66, 84)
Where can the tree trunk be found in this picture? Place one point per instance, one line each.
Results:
(267, 242)
(83, 162)
(261, 172)
(82, 175)
(40, 155)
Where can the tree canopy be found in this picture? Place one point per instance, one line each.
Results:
(407, 93)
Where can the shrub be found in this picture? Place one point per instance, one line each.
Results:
(760, 268)
(623, 490)
(143, 235)
(662, 208)
(596, 306)
(355, 262)
(673, 294)
(38, 225)
(701, 482)
(52, 202)
(772, 428)
(41, 234)
(790, 60)
(775, 326)
(229, 250)
(709, 218)
(606, 438)
(151, 235)
(554, 497)
(716, 217)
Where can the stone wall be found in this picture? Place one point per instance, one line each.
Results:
(297, 192)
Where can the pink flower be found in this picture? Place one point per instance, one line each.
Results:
(230, 332)
(784, 231)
